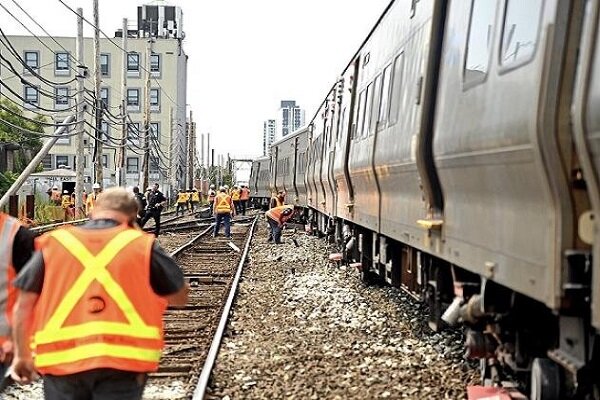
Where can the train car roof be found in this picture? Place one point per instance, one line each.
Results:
(297, 132)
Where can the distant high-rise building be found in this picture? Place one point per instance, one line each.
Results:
(268, 135)
(289, 118)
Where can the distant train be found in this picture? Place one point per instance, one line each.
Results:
(458, 157)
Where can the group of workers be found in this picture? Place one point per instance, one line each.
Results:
(226, 204)
(83, 306)
(66, 200)
(277, 215)
(187, 201)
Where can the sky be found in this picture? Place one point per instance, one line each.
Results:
(244, 56)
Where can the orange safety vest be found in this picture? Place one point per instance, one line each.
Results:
(9, 227)
(245, 195)
(235, 195)
(275, 212)
(195, 197)
(211, 196)
(223, 203)
(90, 202)
(278, 203)
(97, 308)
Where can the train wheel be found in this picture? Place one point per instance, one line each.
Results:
(545, 380)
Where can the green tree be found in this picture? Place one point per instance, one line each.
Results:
(9, 130)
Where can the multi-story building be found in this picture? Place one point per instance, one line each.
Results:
(290, 117)
(268, 135)
(55, 96)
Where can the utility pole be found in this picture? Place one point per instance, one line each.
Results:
(81, 71)
(170, 178)
(201, 161)
(122, 157)
(191, 150)
(99, 173)
(146, 133)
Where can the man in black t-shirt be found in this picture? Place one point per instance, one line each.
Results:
(156, 202)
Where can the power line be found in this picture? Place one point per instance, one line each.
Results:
(122, 49)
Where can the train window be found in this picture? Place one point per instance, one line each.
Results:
(360, 113)
(479, 41)
(396, 90)
(367, 114)
(520, 31)
(376, 104)
(385, 97)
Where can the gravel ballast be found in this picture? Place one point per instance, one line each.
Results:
(304, 328)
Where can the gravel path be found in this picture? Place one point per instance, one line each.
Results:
(304, 329)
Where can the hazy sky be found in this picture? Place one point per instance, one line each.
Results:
(244, 56)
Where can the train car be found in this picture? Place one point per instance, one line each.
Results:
(458, 156)
(260, 176)
(286, 155)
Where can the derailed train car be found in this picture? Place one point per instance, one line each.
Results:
(456, 157)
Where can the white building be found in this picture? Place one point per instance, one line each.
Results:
(290, 117)
(54, 60)
(268, 135)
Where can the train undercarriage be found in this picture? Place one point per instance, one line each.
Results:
(518, 341)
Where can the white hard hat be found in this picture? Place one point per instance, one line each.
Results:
(96, 186)
(212, 186)
(65, 191)
(221, 188)
(226, 186)
(55, 187)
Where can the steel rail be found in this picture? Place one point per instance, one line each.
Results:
(213, 352)
(46, 227)
(193, 241)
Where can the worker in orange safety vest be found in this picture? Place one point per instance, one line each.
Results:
(16, 246)
(223, 211)
(277, 217)
(244, 197)
(278, 199)
(90, 201)
(91, 300)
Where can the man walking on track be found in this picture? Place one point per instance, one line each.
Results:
(223, 210)
(244, 197)
(276, 217)
(92, 299)
(156, 201)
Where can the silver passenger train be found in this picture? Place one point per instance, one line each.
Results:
(458, 157)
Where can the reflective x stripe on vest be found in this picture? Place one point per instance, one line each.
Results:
(8, 229)
(223, 205)
(95, 268)
(235, 195)
(195, 196)
(182, 197)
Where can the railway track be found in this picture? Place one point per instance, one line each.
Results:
(193, 334)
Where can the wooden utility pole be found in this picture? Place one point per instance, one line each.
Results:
(99, 173)
(122, 157)
(201, 161)
(81, 71)
(170, 171)
(191, 151)
(146, 131)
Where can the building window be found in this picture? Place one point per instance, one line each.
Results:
(63, 140)
(105, 64)
(133, 133)
(47, 162)
(32, 96)
(62, 161)
(133, 165)
(105, 160)
(133, 99)
(133, 63)
(155, 64)
(104, 96)
(32, 60)
(104, 129)
(155, 132)
(155, 100)
(61, 97)
(479, 41)
(520, 31)
(153, 167)
(61, 63)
